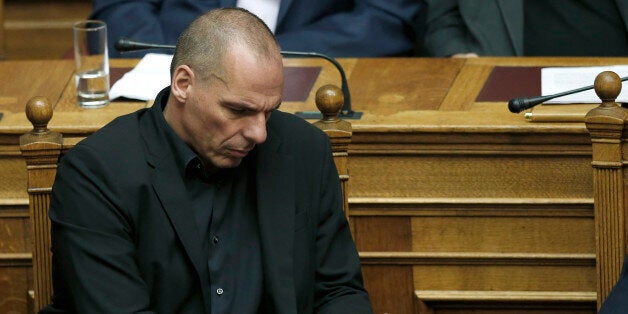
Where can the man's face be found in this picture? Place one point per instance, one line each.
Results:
(225, 118)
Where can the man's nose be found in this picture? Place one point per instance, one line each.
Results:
(256, 130)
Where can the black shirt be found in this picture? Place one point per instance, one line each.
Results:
(574, 28)
(226, 218)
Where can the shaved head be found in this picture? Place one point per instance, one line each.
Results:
(204, 44)
(227, 79)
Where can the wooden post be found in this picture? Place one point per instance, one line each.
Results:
(329, 100)
(2, 32)
(606, 126)
(41, 149)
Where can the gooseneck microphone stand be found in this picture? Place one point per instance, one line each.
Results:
(517, 105)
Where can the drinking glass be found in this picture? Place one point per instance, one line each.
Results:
(92, 63)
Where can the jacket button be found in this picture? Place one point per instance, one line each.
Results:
(219, 291)
(215, 239)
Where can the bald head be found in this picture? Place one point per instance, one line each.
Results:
(204, 44)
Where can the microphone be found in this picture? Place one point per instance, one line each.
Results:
(125, 45)
(517, 105)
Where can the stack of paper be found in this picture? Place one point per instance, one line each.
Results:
(149, 77)
(560, 79)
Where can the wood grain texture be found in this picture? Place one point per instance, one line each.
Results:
(390, 288)
(480, 175)
(382, 233)
(505, 277)
(15, 281)
(2, 39)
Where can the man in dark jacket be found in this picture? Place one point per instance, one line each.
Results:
(211, 201)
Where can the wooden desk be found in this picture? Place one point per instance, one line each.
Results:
(453, 202)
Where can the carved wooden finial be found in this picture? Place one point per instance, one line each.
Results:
(329, 100)
(607, 87)
(39, 113)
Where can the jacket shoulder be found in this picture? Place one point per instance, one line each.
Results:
(117, 136)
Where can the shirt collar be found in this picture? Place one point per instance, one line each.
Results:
(185, 158)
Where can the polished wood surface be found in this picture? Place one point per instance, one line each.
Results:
(40, 29)
(445, 193)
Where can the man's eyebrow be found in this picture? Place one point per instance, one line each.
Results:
(244, 105)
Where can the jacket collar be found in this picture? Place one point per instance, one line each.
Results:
(622, 5)
(167, 182)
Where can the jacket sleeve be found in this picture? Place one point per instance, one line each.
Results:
(151, 21)
(445, 31)
(339, 287)
(371, 28)
(137, 20)
(94, 268)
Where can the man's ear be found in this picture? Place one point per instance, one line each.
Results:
(182, 80)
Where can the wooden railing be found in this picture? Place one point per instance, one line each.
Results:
(606, 125)
(41, 149)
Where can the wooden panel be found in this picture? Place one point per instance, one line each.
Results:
(15, 281)
(471, 176)
(388, 287)
(503, 234)
(472, 207)
(15, 258)
(505, 277)
(2, 39)
(382, 233)
(525, 302)
(496, 244)
(13, 180)
(15, 234)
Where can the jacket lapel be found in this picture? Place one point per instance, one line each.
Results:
(283, 10)
(167, 185)
(622, 6)
(228, 3)
(514, 26)
(276, 209)
(169, 188)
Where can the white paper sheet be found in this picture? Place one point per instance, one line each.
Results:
(559, 79)
(149, 77)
